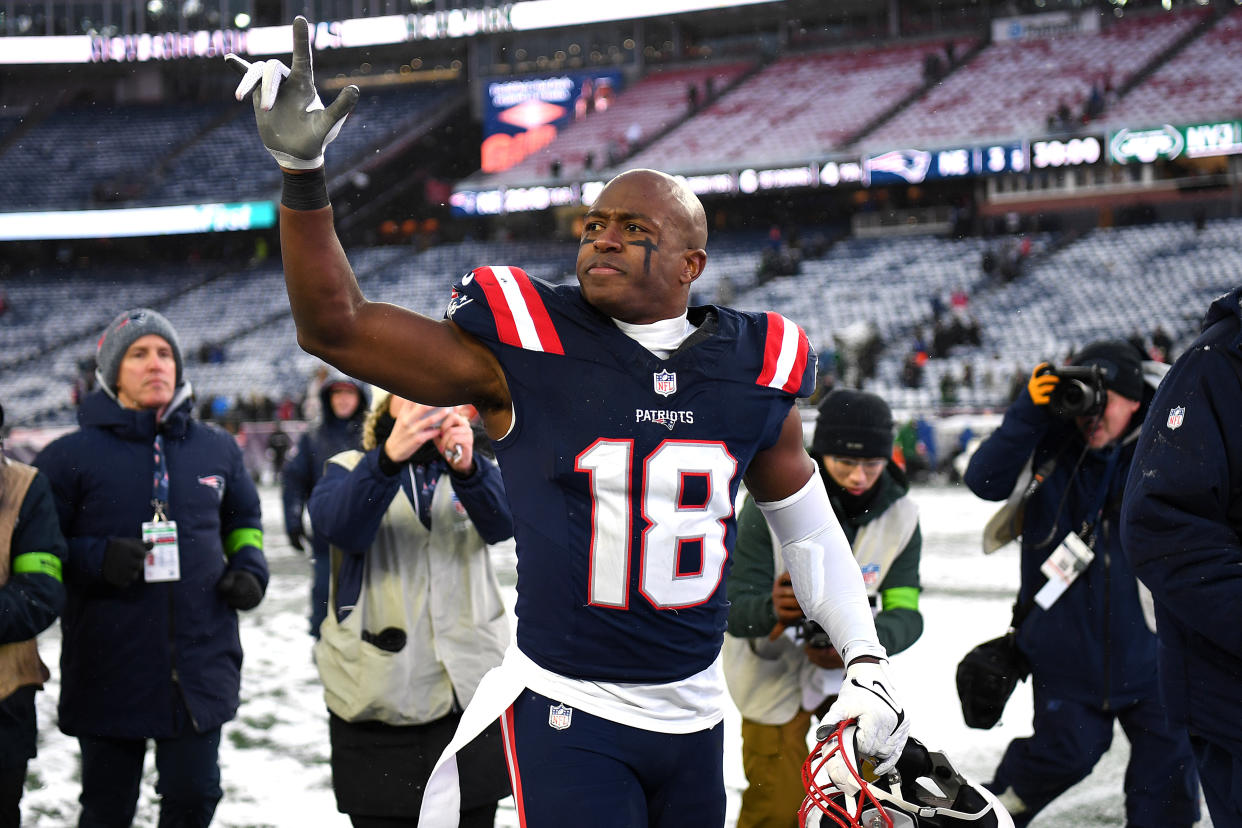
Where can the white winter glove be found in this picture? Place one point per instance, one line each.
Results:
(882, 727)
(293, 125)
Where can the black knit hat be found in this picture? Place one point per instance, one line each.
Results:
(1121, 362)
(853, 424)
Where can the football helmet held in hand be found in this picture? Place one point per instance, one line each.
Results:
(922, 791)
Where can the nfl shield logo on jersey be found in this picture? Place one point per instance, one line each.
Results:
(1176, 415)
(559, 716)
(665, 383)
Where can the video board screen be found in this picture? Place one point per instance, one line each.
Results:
(525, 115)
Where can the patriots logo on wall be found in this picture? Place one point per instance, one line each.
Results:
(665, 383)
(1176, 415)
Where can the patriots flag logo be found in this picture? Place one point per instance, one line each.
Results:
(214, 482)
(665, 383)
(1176, 415)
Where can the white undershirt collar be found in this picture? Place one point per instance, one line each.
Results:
(661, 337)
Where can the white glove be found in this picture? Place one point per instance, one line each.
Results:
(294, 126)
(882, 727)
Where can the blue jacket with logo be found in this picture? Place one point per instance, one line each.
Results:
(1182, 526)
(132, 657)
(1093, 645)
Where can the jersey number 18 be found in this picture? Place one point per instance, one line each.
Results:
(672, 525)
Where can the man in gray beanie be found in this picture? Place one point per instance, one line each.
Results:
(165, 546)
(124, 331)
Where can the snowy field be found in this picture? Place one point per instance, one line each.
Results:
(274, 755)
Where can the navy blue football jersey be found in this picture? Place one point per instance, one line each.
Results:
(622, 469)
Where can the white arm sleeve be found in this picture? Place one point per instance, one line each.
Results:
(826, 578)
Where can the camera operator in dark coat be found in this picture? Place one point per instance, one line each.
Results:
(1091, 650)
(1182, 531)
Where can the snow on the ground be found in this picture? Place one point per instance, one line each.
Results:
(274, 755)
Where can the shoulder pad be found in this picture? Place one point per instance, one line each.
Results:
(504, 305)
(788, 359)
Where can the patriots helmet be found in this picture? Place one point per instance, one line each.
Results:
(922, 791)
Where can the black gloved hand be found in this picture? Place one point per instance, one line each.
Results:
(240, 589)
(122, 560)
(295, 539)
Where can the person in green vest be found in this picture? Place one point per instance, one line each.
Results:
(781, 669)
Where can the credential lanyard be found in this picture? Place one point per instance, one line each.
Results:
(1072, 557)
(159, 485)
(163, 561)
(1101, 495)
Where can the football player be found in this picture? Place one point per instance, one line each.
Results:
(624, 424)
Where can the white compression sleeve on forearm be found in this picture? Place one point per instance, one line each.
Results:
(825, 576)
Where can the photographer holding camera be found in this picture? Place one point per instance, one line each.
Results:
(1092, 653)
(780, 666)
(415, 616)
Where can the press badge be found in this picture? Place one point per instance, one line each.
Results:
(1063, 566)
(163, 562)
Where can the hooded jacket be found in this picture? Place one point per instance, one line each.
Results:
(132, 656)
(1182, 526)
(330, 437)
(1093, 645)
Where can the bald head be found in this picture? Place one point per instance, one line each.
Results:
(642, 247)
(683, 205)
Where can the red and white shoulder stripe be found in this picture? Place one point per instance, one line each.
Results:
(785, 353)
(522, 319)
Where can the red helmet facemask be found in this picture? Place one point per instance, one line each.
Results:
(922, 791)
(825, 796)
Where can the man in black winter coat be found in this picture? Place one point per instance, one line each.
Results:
(165, 541)
(1182, 531)
(344, 403)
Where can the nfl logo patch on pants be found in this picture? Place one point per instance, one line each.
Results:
(560, 716)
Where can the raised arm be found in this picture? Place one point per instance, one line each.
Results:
(411, 355)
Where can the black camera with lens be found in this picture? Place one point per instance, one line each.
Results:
(1079, 392)
(813, 634)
